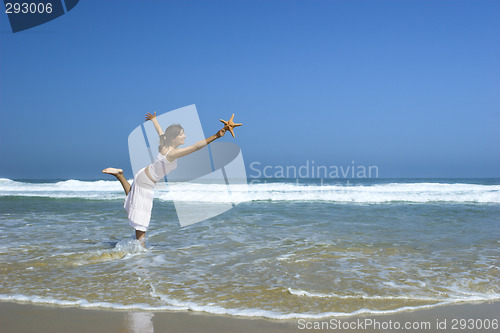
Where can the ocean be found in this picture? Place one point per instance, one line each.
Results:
(305, 248)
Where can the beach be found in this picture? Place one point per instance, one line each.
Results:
(290, 251)
(20, 318)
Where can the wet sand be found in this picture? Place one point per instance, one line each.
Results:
(20, 318)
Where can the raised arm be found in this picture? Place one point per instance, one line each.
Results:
(180, 152)
(152, 117)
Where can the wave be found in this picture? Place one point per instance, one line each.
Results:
(303, 293)
(278, 191)
(72, 188)
(378, 193)
(458, 296)
(175, 305)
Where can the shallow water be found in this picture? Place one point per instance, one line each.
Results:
(288, 250)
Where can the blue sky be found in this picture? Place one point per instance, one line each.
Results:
(409, 86)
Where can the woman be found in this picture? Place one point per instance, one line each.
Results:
(139, 200)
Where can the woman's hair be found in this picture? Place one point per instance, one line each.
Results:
(170, 134)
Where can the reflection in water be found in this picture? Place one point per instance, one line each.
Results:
(139, 322)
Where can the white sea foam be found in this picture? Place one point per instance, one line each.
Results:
(187, 192)
(125, 249)
(175, 305)
(100, 190)
(300, 293)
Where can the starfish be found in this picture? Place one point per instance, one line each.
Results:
(229, 125)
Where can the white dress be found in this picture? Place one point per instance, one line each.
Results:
(139, 201)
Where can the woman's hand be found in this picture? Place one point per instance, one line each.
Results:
(150, 116)
(220, 133)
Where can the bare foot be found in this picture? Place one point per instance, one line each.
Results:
(113, 171)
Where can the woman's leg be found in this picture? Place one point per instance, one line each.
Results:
(140, 236)
(118, 173)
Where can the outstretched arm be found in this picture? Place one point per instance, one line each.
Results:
(180, 152)
(152, 117)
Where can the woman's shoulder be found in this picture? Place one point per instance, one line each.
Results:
(164, 153)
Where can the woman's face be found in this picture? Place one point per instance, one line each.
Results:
(179, 139)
